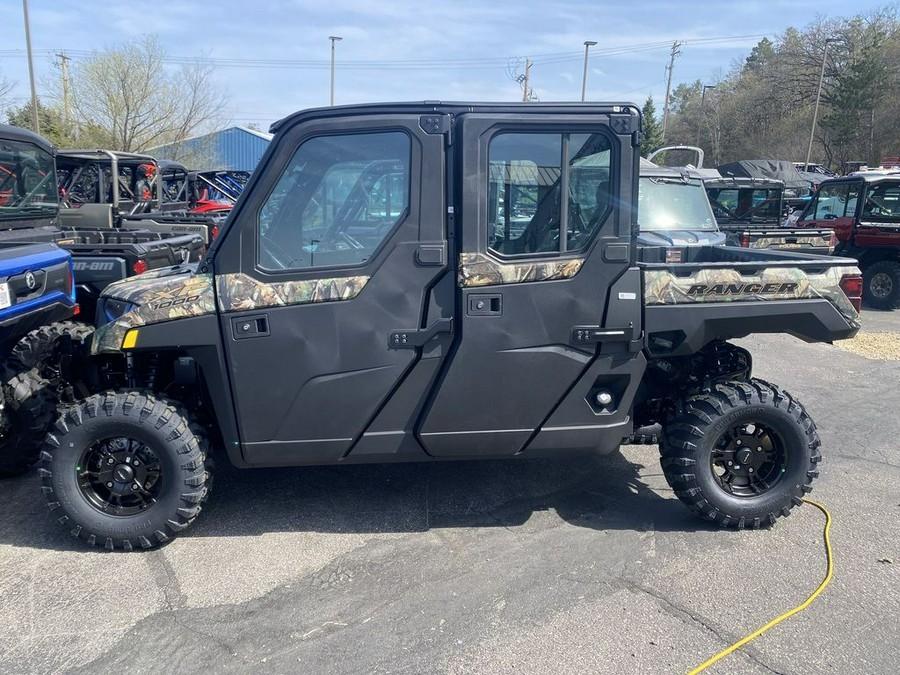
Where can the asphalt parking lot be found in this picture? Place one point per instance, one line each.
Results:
(575, 566)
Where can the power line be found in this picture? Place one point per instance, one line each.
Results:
(468, 63)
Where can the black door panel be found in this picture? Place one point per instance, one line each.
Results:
(306, 391)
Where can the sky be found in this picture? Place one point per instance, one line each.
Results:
(272, 57)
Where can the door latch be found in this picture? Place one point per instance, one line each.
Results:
(250, 326)
(589, 335)
(417, 337)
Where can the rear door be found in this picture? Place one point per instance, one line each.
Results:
(326, 276)
(533, 311)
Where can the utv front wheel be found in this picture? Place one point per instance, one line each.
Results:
(881, 287)
(124, 470)
(742, 454)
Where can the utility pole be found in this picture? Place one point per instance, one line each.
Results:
(812, 131)
(35, 124)
(526, 92)
(587, 45)
(64, 67)
(706, 87)
(675, 52)
(333, 39)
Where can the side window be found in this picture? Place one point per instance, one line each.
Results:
(336, 201)
(882, 202)
(527, 173)
(831, 202)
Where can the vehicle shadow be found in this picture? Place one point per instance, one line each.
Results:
(603, 493)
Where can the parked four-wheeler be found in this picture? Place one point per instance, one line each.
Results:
(864, 212)
(797, 189)
(150, 195)
(750, 212)
(418, 282)
(36, 290)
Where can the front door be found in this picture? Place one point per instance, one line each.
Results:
(327, 288)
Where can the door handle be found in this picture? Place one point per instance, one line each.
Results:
(418, 337)
(245, 327)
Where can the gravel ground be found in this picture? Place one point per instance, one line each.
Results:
(875, 340)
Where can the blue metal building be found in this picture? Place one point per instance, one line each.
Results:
(235, 148)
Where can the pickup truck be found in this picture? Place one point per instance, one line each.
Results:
(750, 210)
(435, 281)
(101, 251)
(863, 212)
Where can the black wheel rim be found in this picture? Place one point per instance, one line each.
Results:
(119, 476)
(881, 285)
(749, 460)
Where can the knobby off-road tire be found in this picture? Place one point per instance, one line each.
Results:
(741, 455)
(40, 347)
(29, 411)
(881, 284)
(124, 470)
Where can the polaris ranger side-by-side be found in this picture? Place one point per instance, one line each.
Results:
(864, 212)
(431, 281)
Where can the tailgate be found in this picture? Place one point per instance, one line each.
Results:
(804, 241)
(730, 275)
(172, 251)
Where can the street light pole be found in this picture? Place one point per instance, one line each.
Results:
(333, 39)
(35, 123)
(812, 131)
(700, 117)
(587, 45)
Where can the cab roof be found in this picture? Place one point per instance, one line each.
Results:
(454, 108)
(12, 133)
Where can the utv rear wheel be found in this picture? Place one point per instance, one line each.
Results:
(124, 470)
(881, 287)
(742, 454)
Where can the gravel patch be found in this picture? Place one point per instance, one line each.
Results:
(880, 346)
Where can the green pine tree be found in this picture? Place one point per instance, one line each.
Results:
(652, 138)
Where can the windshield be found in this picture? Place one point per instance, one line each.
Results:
(27, 181)
(748, 205)
(673, 204)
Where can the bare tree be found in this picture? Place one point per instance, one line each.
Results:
(6, 87)
(131, 101)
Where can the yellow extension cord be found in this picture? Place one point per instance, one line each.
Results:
(799, 608)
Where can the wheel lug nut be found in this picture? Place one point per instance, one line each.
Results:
(136, 463)
(730, 463)
(109, 484)
(750, 469)
(135, 487)
(110, 461)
